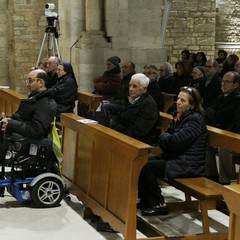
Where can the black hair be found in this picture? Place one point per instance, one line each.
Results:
(42, 75)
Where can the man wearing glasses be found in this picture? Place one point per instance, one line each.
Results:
(212, 86)
(35, 114)
(224, 114)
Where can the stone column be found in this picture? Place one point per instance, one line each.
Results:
(93, 37)
(94, 15)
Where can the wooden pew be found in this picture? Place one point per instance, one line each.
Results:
(204, 190)
(102, 168)
(168, 100)
(91, 100)
(231, 195)
(10, 100)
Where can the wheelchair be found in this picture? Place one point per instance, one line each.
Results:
(31, 172)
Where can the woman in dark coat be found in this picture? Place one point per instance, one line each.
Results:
(198, 79)
(182, 76)
(107, 84)
(64, 92)
(183, 144)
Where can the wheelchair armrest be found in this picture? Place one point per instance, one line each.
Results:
(15, 137)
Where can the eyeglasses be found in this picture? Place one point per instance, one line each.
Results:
(226, 81)
(186, 88)
(30, 80)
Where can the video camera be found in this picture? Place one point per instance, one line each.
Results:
(48, 10)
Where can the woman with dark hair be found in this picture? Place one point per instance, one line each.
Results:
(201, 59)
(64, 92)
(183, 146)
(182, 76)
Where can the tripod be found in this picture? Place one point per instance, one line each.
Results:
(51, 34)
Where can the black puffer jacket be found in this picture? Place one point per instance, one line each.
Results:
(184, 146)
(138, 120)
(34, 116)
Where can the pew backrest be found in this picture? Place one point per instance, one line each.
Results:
(10, 100)
(103, 167)
(90, 100)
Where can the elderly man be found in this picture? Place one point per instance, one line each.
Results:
(224, 114)
(212, 85)
(139, 116)
(35, 114)
(51, 69)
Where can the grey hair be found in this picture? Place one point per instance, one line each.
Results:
(54, 59)
(168, 67)
(143, 80)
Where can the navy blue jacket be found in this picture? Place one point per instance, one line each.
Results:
(184, 145)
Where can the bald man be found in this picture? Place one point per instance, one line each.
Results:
(35, 114)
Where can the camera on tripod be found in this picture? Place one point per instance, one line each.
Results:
(48, 10)
(51, 32)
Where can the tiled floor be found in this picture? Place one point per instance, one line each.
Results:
(22, 221)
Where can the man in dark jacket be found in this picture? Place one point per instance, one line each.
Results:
(212, 87)
(35, 114)
(140, 114)
(224, 114)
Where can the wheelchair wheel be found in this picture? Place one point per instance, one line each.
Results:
(48, 192)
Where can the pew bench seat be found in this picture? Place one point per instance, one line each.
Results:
(201, 194)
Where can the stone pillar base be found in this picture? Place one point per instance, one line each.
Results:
(92, 39)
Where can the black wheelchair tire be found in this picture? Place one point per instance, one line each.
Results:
(47, 192)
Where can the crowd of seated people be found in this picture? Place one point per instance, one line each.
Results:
(204, 93)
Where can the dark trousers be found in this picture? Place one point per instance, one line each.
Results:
(149, 191)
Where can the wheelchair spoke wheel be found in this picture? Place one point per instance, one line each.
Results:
(47, 192)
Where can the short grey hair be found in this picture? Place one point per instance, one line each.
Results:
(168, 67)
(144, 81)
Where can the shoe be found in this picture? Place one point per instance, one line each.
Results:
(161, 209)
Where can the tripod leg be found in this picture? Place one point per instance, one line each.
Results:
(40, 52)
(57, 48)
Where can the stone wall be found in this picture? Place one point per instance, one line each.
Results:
(191, 26)
(25, 29)
(3, 43)
(128, 28)
(228, 25)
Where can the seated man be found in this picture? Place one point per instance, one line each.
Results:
(224, 114)
(35, 114)
(140, 114)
